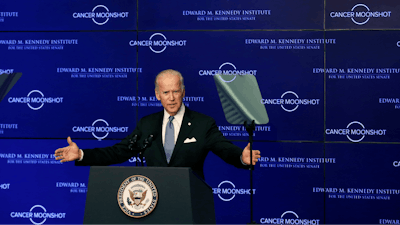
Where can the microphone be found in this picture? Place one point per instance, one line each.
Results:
(146, 143)
(133, 141)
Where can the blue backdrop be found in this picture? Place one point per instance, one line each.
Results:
(327, 72)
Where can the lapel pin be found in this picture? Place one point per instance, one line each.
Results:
(189, 123)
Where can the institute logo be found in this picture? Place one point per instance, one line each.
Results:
(227, 72)
(158, 43)
(36, 100)
(137, 196)
(100, 15)
(395, 101)
(360, 14)
(290, 101)
(4, 15)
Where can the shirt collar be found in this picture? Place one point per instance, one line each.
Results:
(179, 115)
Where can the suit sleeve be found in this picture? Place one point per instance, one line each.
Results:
(222, 147)
(115, 154)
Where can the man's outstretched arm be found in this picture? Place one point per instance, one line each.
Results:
(69, 153)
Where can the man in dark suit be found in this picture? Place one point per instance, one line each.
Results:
(182, 137)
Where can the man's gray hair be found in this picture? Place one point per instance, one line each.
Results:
(170, 71)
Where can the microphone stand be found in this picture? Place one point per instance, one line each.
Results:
(250, 128)
(133, 144)
(146, 143)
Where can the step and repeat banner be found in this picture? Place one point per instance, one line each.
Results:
(22, 15)
(319, 78)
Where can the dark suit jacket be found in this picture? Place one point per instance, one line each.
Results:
(195, 126)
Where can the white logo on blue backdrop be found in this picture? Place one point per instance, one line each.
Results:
(227, 69)
(290, 104)
(227, 191)
(355, 131)
(289, 217)
(157, 43)
(6, 71)
(360, 14)
(38, 215)
(5, 186)
(100, 131)
(35, 99)
(100, 15)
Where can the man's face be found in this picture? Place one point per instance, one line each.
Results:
(170, 93)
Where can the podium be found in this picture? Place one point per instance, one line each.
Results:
(183, 198)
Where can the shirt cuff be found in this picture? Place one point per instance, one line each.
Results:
(82, 155)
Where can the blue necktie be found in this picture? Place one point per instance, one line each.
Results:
(169, 139)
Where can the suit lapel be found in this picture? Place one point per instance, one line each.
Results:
(158, 141)
(186, 129)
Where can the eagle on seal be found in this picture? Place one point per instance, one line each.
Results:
(137, 200)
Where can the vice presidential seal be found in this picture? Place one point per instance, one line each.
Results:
(137, 196)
